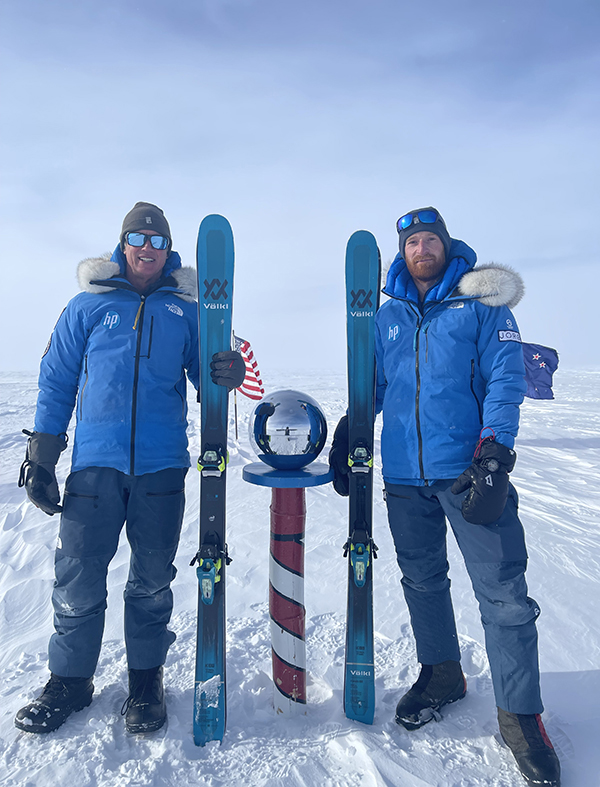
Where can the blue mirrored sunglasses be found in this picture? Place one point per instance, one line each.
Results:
(138, 239)
(421, 216)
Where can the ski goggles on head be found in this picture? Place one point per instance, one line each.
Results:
(419, 217)
(138, 239)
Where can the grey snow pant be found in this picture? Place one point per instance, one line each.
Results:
(97, 503)
(496, 558)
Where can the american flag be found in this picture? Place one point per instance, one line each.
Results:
(252, 387)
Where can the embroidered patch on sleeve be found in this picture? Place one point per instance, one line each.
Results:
(509, 336)
(52, 334)
(47, 346)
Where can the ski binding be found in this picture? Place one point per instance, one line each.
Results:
(208, 569)
(360, 459)
(213, 461)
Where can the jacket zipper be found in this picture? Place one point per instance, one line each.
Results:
(473, 391)
(180, 396)
(150, 339)
(425, 329)
(138, 325)
(85, 369)
(416, 343)
(417, 413)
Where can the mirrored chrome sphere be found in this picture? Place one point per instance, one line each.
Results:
(288, 430)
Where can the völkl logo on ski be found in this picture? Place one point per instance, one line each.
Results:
(366, 299)
(215, 289)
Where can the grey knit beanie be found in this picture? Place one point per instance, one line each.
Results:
(145, 216)
(438, 228)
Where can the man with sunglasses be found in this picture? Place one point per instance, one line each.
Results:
(119, 355)
(450, 380)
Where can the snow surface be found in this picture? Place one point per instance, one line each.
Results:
(557, 474)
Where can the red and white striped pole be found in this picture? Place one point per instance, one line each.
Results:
(286, 600)
(286, 576)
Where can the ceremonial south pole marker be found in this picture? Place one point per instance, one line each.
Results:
(281, 435)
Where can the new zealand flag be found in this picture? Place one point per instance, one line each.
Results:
(540, 364)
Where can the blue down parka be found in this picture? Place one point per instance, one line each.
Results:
(447, 369)
(122, 358)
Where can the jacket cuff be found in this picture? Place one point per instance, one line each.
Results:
(505, 438)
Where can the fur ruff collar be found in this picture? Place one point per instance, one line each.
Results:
(102, 268)
(493, 285)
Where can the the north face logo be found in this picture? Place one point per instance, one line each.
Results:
(174, 309)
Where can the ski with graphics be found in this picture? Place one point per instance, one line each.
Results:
(215, 263)
(363, 271)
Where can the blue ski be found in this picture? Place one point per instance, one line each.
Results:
(215, 262)
(362, 300)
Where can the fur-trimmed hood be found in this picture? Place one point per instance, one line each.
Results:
(491, 284)
(94, 274)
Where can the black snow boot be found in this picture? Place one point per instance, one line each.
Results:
(526, 737)
(145, 709)
(60, 698)
(436, 686)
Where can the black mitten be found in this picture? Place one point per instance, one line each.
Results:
(338, 457)
(228, 369)
(38, 474)
(487, 482)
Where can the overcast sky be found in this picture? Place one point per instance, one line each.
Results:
(302, 122)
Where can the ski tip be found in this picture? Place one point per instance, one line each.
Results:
(362, 237)
(215, 221)
(215, 242)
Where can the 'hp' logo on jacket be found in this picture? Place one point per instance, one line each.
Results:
(111, 320)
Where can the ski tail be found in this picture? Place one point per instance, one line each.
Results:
(210, 697)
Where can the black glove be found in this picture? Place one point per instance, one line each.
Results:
(228, 369)
(38, 470)
(487, 481)
(338, 458)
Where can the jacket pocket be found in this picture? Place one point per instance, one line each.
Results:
(150, 337)
(83, 387)
(479, 410)
(179, 394)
